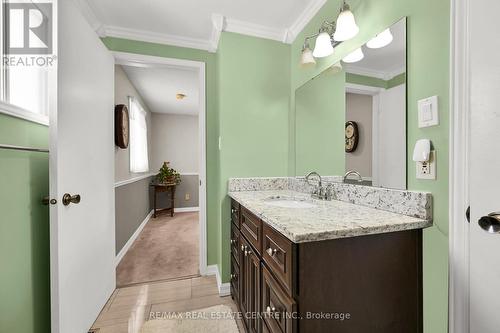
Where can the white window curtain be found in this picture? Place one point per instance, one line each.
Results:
(139, 161)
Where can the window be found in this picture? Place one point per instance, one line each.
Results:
(139, 161)
(24, 80)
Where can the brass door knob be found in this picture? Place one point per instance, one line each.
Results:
(71, 199)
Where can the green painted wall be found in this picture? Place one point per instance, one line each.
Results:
(428, 74)
(212, 127)
(320, 119)
(254, 87)
(24, 229)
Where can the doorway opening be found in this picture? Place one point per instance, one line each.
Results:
(160, 192)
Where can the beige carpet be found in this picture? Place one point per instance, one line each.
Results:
(167, 248)
(216, 319)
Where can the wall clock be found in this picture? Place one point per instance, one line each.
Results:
(351, 136)
(121, 126)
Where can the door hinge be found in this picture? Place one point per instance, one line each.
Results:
(467, 214)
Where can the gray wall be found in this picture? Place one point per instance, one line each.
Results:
(132, 206)
(359, 109)
(189, 185)
(175, 139)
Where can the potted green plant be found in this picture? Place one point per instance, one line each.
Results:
(168, 175)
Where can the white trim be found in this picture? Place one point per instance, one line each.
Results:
(362, 90)
(152, 61)
(17, 112)
(186, 209)
(304, 18)
(218, 21)
(189, 174)
(224, 288)
(353, 69)
(132, 238)
(459, 302)
(88, 12)
(155, 37)
(255, 30)
(134, 179)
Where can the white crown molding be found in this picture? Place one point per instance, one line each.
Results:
(373, 73)
(305, 17)
(219, 24)
(154, 37)
(255, 30)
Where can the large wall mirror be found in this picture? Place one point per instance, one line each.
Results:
(353, 118)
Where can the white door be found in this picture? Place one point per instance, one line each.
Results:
(484, 166)
(82, 163)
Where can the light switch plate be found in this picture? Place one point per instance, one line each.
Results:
(427, 170)
(428, 112)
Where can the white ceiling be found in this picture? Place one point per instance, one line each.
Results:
(386, 62)
(198, 23)
(158, 87)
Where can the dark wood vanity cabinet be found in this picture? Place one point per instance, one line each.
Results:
(370, 283)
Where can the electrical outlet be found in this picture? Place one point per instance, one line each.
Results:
(427, 170)
(187, 197)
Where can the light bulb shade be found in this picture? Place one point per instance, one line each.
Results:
(307, 58)
(346, 26)
(355, 56)
(323, 47)
(382, 39)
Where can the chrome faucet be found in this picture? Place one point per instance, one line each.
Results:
(352, 172)
(320, 192)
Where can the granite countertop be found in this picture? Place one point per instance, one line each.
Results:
(327, 220)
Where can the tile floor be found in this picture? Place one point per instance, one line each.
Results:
(129, 307)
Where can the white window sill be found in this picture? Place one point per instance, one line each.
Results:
(21, 113)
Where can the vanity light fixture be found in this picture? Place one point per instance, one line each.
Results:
(307, 58)
(381, 40)
(346, 25)
(355, 56)
(336, 68)
(330, 35)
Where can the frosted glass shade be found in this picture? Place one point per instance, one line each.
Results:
(323, 47)
(307, 58)
(346, 26)
(382, 39)
(355, 56)
(336, 68)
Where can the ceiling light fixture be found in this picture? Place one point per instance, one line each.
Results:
(180, 96)
(381, 40)
(307, 58)
(346, 25)
(329, 36)
(355, 56)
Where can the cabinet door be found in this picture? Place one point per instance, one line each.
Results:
(250, 270)
(243, 280)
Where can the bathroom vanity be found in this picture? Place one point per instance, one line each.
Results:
(305, 265)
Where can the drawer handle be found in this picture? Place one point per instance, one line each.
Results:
(269, 309)
(232, 210)
(233, 241)
(243, 247)
(271, 251)
(247, 252)
(234, 276)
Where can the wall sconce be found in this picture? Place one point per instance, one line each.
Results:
(330, 35)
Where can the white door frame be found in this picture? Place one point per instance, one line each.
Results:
(132, 59)
(459, 168)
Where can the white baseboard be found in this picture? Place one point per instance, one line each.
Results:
(186, 209)
(224, 288)
(129, 243)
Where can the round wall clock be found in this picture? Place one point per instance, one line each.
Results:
(351, 136)
(121, 126)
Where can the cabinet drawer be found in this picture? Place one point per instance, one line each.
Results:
(279, 254)
(235, 240)
(235, 277)
(235, 213)
(278, 308)
(251, 228)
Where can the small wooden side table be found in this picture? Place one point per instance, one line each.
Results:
(159, 188)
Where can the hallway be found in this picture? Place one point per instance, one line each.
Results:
(166, 249)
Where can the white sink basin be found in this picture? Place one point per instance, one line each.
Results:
(284, 202)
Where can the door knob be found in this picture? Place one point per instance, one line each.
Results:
(490, 223)
(71, 199)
